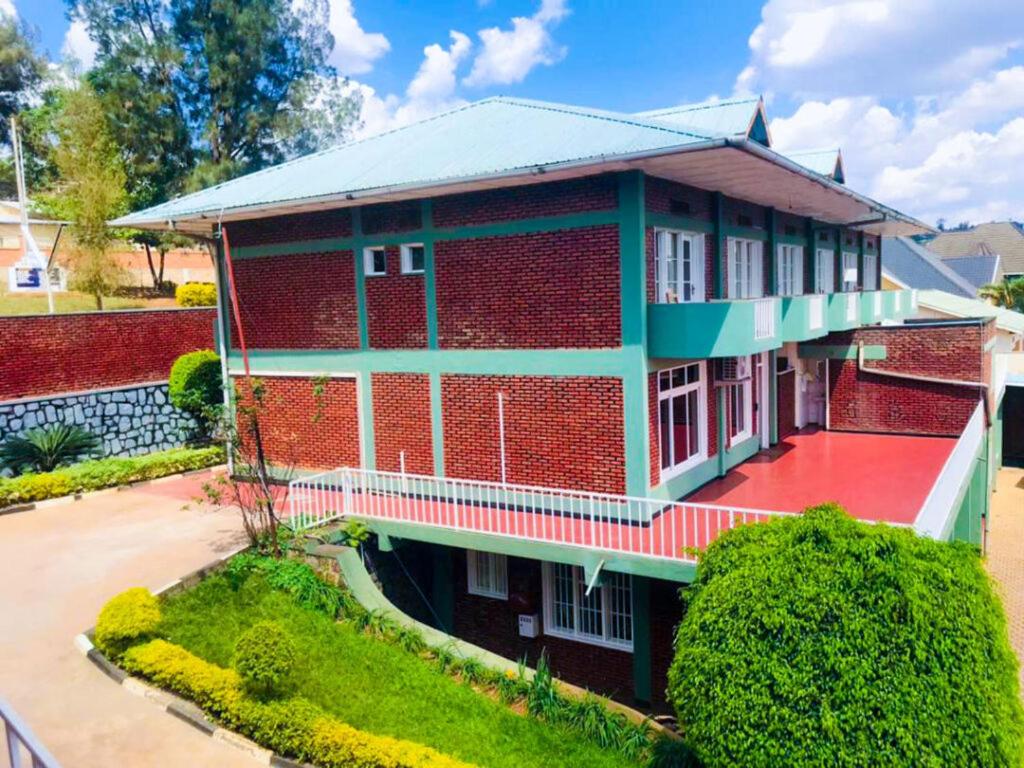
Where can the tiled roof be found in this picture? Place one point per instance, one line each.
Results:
(977, 270)
(915, 267)
(999, 237)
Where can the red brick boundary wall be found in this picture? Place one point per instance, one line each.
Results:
(863, 402)
(51, 354)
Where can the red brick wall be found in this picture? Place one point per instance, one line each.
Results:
(594, 193)
(494, 625)
(302, 430)
(301, 301)
(563, 432)
(401, 422)
(391, 217)
(52, 354)
(860, 401)
(297, 226)
(664, 196)
(786, 400)
(538, 290)
(396, 308)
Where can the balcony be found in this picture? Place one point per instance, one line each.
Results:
(900, 304)
(843, 311)
(803, 317)
(871, 308)
(720, 328)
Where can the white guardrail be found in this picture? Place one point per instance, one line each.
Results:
(876, 304)
(607, 522)
(764, 318)
(852, 302)
(937, 512)
(816, 312)
(20, 740)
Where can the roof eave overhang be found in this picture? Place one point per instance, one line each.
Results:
(736, 167)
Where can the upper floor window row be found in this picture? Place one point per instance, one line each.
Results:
(412, 257)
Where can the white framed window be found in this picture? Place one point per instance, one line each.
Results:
(870, 272)
(849, 271)
(824, 270)
(682, 418)
(375, 261)
(605, 617)
(746, 269)
(679, 266)
(413, 258)
(789, 270)
(487, 574)
(739, 401)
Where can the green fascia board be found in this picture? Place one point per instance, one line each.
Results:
(841, 351)
(872, 307)
(796, 318)
(705, 329)
(838, 313)
(587, 557)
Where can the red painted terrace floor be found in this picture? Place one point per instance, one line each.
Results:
(875, 477)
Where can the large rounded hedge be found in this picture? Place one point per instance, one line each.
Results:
(820, 640)
(195, 382)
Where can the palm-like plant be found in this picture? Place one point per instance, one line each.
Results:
(43, 450)
(1008, 294)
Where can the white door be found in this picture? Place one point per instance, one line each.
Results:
(814, 394)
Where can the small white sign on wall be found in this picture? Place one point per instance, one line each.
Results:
(529, 625)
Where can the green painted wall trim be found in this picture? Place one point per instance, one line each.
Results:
(641, 593)
(737, 454)
(437, 423)
(841, 351)
(704, 329)
(791, 240)
(357, 260)
(367, 445)
(773, 399)
(687, 223)
(718, 252)
(746, 233)
(687, 482)
(442, 588)
(430, 273)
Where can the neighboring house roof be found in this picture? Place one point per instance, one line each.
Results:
(915, 266)
(978, 270)
(959, 306)
(731, 117)
(501, 142)
(827, 162)
(998, 237)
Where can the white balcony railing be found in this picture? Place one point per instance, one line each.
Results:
(637, 526)
(764, 319)
(877, 304)
(852, 301)
(913, 298)
(937, 513)
(20, 740)
(816, 312)
(897, 300)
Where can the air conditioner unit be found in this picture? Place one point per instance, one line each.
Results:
(733, 369)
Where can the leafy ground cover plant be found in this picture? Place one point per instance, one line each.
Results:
(125, 620)
(820, 640)
(45, 449)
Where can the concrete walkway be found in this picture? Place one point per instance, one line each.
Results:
(58, 565)
(1005, 559)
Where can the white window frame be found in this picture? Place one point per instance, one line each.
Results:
(701, 387)
(670, 291)
(870, 276)
(789, 269)
(746, 386)
(368, 253)
(497, 569)
(826, 257)
(746, 268)
(406, 258)
(605, 640)
(849, 262)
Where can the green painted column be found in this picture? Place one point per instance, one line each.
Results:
(770, 225)
(430, 271)
(367, 444)
(718, 214)
(641, 592)
(811, 256)
(837, 270)
(443, 588)
(357, 258)
(860, 264)
(773, 398)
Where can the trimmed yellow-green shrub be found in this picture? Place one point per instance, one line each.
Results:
(264, 658)
(293, 727)
(196, 295)
(126, 619)
(194, 384)
(105, 473)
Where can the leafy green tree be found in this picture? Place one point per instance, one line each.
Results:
(22, 71)
(820, 640)
(1008, 294)
(90, 190)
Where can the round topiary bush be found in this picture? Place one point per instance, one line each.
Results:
(820, 640)
(125, 620)
(195, 382)
(196, 295)
(264, 658)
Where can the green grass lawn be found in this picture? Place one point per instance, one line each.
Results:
(374, 686)
(70, 301)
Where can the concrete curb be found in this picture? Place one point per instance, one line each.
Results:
(44, 503)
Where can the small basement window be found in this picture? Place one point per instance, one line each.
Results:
(487, 574)
(413, 258)
(375, 261)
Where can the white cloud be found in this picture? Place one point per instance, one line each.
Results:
(355, 50)
(886, 48)
(508, 55)
(435, 79)
(7, 8)
(78, 46)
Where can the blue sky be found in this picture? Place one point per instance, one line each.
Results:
(925, 97)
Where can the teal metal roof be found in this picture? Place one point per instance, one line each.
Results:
(827, 162)
(1006, 319)
(733, 117)
(487, 138)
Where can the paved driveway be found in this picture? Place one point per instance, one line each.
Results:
(1005, 559)
(58, 565)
